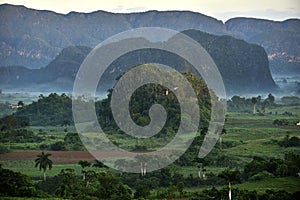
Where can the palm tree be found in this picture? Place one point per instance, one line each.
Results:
(200, 164)
(142, 159)
(230, 176)
(43, 162)
(83, 164)
(254, 102)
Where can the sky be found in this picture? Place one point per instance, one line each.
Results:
(221, 9)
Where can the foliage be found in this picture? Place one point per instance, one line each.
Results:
(5, 109)
(261, 175)
(238, 103)
(147, 95)
(20, 136)
(3, 149)
(281, 122)
(243, 76)
(142, 191)
(43, 162)
(58, 146)
(231, 176)
(52, 110)
(97, 185)
(8, 123)
(239, 194)
(287, 167)
(72, 141)
(290, 141)
(15, 184)
(290, 100)
(99, 164)
(84, 164)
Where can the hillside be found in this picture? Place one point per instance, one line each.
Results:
(280, 39)
(243, 66)
(33, 38)
(54, 109)
(58, 75)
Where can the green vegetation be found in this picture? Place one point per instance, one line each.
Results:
(15, 184)
(257, 156)
(243, 66)
(43, 162)
(5, 109)
(52, 110)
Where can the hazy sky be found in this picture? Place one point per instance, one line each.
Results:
(220, 9)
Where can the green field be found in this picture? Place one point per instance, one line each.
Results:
(247, 135)
(289, 184)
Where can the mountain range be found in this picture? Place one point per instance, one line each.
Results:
(33, 38)
(243, 66)
(38, 46)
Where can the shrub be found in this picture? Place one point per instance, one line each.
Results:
(58, 146)
(3, 149)
(261, 175)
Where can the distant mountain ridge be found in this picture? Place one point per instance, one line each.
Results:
(33, 38)
(243, 66)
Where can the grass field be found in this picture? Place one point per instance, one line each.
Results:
(252, 135)
(289, 184)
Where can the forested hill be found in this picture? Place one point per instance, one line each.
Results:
(243, 66)
(33, 38)
(56, 109)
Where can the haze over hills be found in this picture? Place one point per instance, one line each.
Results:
(243, 66)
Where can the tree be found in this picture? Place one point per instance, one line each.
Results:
(110, 187)
(142, 159)
(271, 99)
(68, 185)
(142, 191)
(65, 124)
(7, 124)
(230, 176)
(43, 162)
(180, 186)
(220, 139)
(21, 103)
(199, 170)
(99, 164)
(15, 184)
(199, 162)
(254, 102)
(84, 164)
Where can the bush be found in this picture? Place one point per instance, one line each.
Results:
(44, 146)
(3, 149)
(142, 192)
(58, 146)
(280, 122)
(261, 175)
(15, 184)
(289, 142)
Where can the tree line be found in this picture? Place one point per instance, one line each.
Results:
(164, 183)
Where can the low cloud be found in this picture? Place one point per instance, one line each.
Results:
(263, 14)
